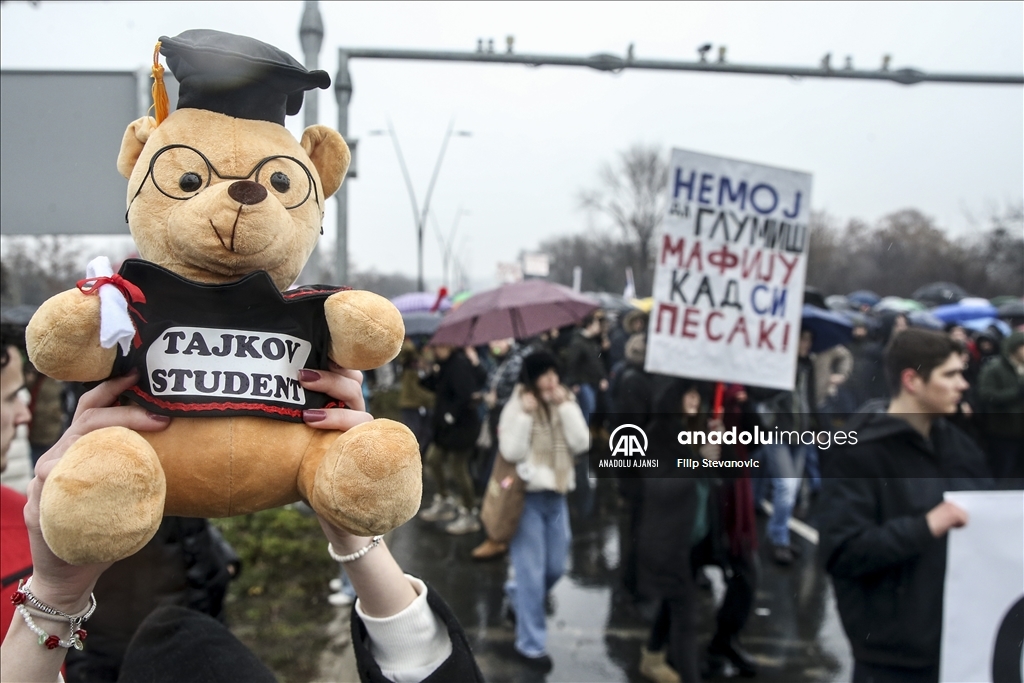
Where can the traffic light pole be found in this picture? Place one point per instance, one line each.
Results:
(616, 64)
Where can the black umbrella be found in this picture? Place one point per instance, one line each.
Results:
(814, 297)
(1012, 309)
(939, 293)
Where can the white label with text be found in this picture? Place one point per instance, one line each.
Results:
(239, 364)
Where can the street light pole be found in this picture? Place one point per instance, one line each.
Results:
(420, 215)
(311, 35)
(448, 246)
(343, 93)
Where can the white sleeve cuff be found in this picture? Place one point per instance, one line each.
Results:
(410, 645)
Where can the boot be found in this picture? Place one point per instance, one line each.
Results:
(653, 667)
(720, 649)
(489, 550)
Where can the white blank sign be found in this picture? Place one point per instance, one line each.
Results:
(984, 580)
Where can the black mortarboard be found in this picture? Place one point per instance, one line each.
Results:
(237, 76)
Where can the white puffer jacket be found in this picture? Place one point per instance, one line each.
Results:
(515, 429)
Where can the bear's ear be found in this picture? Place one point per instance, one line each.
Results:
(134, 140)
(329, 154)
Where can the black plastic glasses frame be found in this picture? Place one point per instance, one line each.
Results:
(214, 172)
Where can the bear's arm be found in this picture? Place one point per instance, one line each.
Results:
(63, 339)
(366, 329)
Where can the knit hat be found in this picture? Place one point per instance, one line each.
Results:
(536, 364)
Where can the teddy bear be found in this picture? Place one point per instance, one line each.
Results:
(225, 206)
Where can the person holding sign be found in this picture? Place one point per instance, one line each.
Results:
(673, 519)
(884, 521)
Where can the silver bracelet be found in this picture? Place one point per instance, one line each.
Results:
(352, 557)
(77, 634)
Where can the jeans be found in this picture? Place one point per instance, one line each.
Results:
(786, 463)
(813, 468)
(539, 551)
(588, 400)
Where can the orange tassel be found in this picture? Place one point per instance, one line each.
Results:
(160, 101)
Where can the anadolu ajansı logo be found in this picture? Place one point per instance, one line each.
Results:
(625, 441)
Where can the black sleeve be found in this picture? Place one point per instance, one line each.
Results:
(573, 361)
(479, 376)
(633, 392)
(462, 383)
(429, 381)
(460, 665)
(853, 543)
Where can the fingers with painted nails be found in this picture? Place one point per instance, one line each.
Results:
(343, 385)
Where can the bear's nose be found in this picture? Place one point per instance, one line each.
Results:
(247, 192)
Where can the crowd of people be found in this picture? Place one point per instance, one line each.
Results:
(973, 380)
(929, 406)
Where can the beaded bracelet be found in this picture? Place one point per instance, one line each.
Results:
(23, 594)
(351, 557)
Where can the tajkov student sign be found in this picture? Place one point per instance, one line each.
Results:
(730, 269)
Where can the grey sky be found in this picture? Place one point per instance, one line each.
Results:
(540, 134)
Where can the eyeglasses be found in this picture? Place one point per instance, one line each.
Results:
(181, 172)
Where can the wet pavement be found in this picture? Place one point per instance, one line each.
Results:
(596, 632)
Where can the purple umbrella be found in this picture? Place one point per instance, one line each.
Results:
(519, 310)
(420, 302)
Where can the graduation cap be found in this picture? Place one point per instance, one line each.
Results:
(234, 75)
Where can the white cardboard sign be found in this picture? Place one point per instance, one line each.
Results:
(984, 581)
(730, 270)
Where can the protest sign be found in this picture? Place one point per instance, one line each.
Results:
(730, 269)
(983, 604)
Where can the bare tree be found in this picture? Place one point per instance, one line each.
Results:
(600, 256)
(388, 285)
(36, 268)
(320, 270)
(906, 250)
(633, 195)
